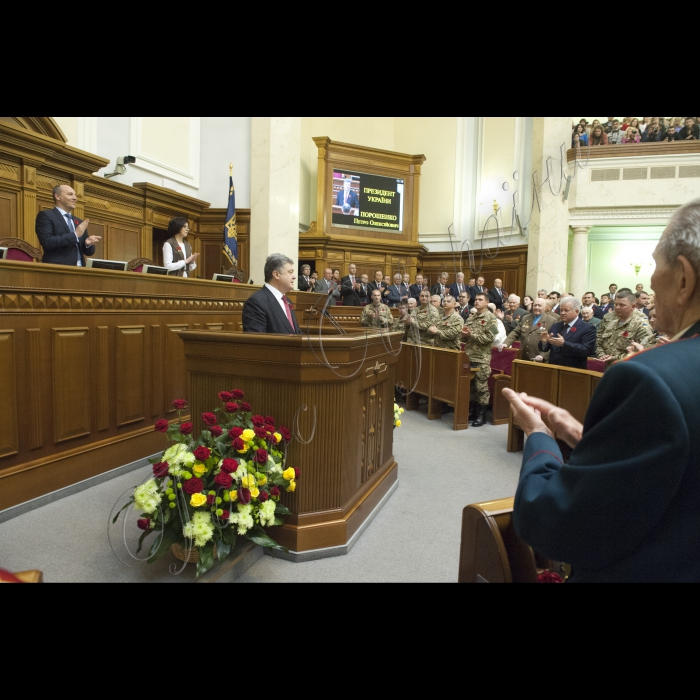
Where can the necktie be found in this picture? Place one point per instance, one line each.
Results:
(288, 309)
(71, 226)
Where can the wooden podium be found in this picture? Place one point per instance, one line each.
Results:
(337, 394)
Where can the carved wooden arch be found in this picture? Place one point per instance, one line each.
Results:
(46, 126)
(19, 244)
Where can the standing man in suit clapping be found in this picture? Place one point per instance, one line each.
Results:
(350, 287)
(327, 285)
(498, 295)
(306, 284)
(364, 291)
(478, 288)
(458, 288)
(441, 289)
(63, 237)
(571, 341)
(415, 290)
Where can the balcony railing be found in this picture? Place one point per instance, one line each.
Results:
(632, 150)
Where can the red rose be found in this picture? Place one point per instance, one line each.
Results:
(235, 433)
(186, 428)
(162, 426)
(261, 433)
(258, 421)
(270, 429)
(287, 436)
(144, 525)
(193, 486)
(549, 577)
(298, 473)
(232, 407)
(180, 404)
(275, 492)
(263, 497)
(209, 419)
(244, 496)
(225, 396)
(202, 454)
(246, 407)
(261, 456)
(160, 471)
(225, 515)
(269, 420)
(216, 431)
(238, 445)
(211, 500)
(238, 395)
(224, 480)
(230, 466)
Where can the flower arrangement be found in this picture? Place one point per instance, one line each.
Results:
(207, 493)
(398, 412)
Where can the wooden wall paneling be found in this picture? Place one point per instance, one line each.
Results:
(212, 259)
(157, 369)
(175, 375)
(131, 374)
(71, 383)
(123, 243)
(9, 226)
(9, 438)
(103, 372)
(29, 199)
(100, 229)
(35, 364)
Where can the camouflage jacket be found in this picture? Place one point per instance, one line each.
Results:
(377, 317)
(449, 333)
(484, 331)
(424, 319)
(614, 337)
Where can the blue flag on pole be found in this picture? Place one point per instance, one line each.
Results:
(230, 230)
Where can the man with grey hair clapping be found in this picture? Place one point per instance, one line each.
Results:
(626, 509)
(571, 341)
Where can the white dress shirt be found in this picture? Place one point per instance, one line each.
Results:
(168, 260)
(502, 335)
(65, 214)
(280, 298)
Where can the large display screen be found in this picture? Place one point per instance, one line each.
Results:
(368, 201)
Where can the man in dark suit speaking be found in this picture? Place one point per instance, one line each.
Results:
(348, 199)
(63, 237)
(571, 341)
(626, 505)
(269, 310)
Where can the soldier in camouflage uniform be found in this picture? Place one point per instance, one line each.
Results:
(376, 315)
(447, 333)
(620, 330)
(479, 332)
(425, 316)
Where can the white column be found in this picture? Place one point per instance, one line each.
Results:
(549, 229)
(275, 174)
(579, 262)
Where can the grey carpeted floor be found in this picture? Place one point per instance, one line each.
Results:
(415, 538)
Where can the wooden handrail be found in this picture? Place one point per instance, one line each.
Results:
(635, 150)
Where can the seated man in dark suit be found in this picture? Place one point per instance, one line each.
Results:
(350, 287)
(498, 295)
(269, 310)
(626, 506)
(348, 199)
(571, 341)
(63, 237)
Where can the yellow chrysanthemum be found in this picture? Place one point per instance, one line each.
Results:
(289, 475)
(398, 423)
(292, 487)
(199, 469)
(278, 438)
(262, 480)
(248, 436)
(198, 500)
(248, 482)
(234, 496)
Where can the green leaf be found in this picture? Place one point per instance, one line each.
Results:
(162, 545)
(223, 551)
(282, 510)
(258, 536)
(116, 517)
(206, 559)
(141, 540)
(279, 522)
(229, 537)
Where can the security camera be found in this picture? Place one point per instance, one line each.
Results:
(120, 168)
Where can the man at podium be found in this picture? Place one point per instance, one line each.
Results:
(269, 310)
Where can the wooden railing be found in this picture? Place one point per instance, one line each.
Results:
(632, 150)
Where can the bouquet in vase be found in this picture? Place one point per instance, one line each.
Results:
(204, 494)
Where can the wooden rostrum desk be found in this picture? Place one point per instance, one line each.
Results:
(346, 415)
(89, 360)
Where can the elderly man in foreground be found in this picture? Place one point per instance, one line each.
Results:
(626, 509)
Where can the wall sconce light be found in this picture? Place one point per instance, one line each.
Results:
(638, 267)
(496, 206)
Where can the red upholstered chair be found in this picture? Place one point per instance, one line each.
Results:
(138, 264)
(595, 365)
(20, 250)
(517, 346)
(501, 371)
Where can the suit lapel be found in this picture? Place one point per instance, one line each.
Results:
(57, 215)
(281, 316)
